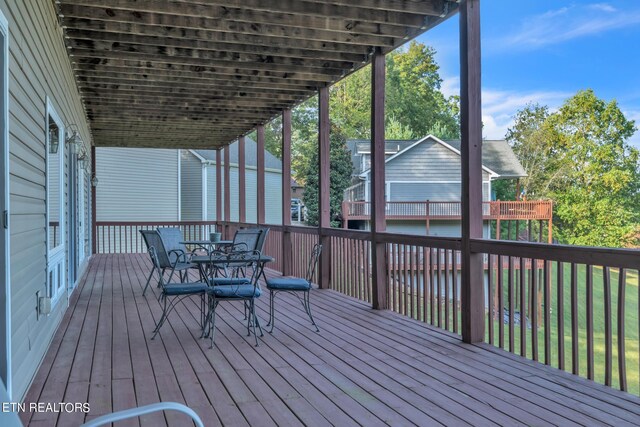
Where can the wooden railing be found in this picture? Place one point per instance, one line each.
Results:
(124, 237)
(574, 308)
(423, 210)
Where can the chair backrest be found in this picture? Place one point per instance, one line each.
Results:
(237, 262)
(171, 237)
(313, 261)
(262, 239)
(153, 241)
(247, 239)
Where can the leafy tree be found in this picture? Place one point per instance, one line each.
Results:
(339, 180)
(578, 156)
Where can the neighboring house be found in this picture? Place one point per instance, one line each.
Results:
(297, 190)
(198, 189)
(141, 184)
(424, 170)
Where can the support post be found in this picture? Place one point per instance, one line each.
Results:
(260, 175)
(94, 226)
(323, 186)
(226, 192)
(472, 287)
(242, 195)
(378, 220)
(218, 186)
(287, 250)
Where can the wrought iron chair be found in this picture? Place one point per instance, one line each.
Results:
(235, 288)
(174, 293)
(246, 239)
(295, 285)
(173, 260)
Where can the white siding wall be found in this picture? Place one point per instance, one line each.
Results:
(273, 198)
(137, 184)
(191, 186)
(39, 68)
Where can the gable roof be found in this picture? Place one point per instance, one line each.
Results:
(250, 155)
(498, 158)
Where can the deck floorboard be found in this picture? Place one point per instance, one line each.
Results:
(365, 367)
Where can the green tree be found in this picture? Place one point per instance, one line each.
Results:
(339, 180)
(578, 156)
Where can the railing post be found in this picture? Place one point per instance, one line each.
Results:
(226, 192)
(378, 220)
(324, 207)
(472, 287)
(428, 220)
(260, 174)
(287, 250)
(218, 189)
(345, 214)
(242, 194)
(94, 228)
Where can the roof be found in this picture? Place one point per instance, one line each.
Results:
(497, 155)
(250, 155)
(198, 74)
(357, 147)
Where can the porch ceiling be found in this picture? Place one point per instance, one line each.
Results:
(197, 74)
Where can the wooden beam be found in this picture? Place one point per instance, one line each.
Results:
(226, 188)
(218, 185)
(345, 32)
(324, 208)
(378, 203)
(287, 247)
(94, 228)
(472, 286)
(260, 174)
(242, 194)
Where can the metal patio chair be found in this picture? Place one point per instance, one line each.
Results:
(174, 293)
(235, 287)
(295, 285)
(173, 260)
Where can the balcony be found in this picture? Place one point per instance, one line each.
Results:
(365, 366)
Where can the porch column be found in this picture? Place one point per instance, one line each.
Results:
(218, 185)
(286, 193)
(378, 220)
(225, 191)
(324, 220)
(472, 287)
(242, 197)
(94, 231)
(260, 175)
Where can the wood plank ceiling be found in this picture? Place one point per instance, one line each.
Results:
(198, 74)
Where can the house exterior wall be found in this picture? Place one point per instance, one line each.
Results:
(39, 69)
(436, 228)
(137, 184)
(191, 176)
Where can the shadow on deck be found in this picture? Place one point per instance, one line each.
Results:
(365, 367)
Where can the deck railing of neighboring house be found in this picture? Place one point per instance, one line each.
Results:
(124, 236)
(528, 288)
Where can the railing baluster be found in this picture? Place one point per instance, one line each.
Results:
(412, 292)
(575, 361)
(490, 297)
(455, 291)
(500, 292)
(439, 299)
(523, 307)
(446, 289)
(589, 290)
(432, 286)
(547, 312)
(534, 309)
(608, 340)
(512, 302)
(560, 317)
(622, 366)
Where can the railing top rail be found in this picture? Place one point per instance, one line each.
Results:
(152, 223)
(611, 257)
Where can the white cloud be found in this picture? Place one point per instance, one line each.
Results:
(564, 24)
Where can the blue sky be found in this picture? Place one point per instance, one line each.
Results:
(545, 51)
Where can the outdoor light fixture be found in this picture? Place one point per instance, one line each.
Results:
(94, 181)
(82, 158)
(54, 141)
(72, 135)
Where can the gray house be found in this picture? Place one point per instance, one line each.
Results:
(423, 170)
(141, 184)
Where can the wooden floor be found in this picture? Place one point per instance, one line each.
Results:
(365, 367)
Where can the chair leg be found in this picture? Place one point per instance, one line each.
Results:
(146, 285)
(307, 306)
(272, 317)
(162, 317)
(212, 331)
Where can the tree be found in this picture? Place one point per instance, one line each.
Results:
(578, 156)
(340, 178)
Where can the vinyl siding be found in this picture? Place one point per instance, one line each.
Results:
(436, 228)
(211, 193)
(191, 186)
(137, 184)
(434, 191)
(38, 68)
(273, 198)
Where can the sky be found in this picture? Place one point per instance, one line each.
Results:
(544, 51)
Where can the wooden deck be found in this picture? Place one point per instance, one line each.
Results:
(364, 368)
